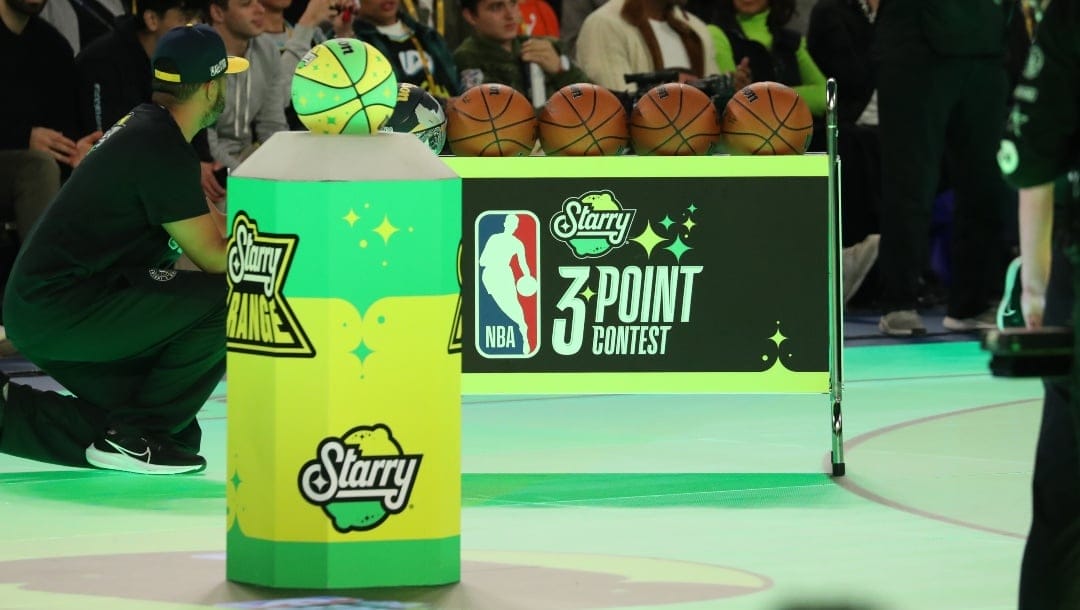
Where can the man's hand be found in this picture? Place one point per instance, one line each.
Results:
(211, 188)
(542, 51)
(743, 75)
(342, 23)
(83, 146)
(318, 11)
(52, 142)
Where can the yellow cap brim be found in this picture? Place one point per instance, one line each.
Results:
(236, 65)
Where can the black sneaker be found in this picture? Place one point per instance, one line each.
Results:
(142, 453)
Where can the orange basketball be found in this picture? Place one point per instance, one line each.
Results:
(767, 118)
(583, 119)
(491, 120)
(674, 119)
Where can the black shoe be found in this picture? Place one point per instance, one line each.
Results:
(142, 453)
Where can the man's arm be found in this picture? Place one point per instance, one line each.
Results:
(1036, 223)
(202, 239)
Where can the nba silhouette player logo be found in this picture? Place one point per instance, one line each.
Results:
(507, 289)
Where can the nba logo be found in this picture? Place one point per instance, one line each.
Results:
(507, 284)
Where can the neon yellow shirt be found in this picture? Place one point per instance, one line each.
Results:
(812, 88)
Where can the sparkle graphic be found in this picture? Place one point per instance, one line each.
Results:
(362, 351)
(778, 337)
(588, 294)
(322, 94)
(678, 248)
(385, 230)
(235, 480)
(363, 243)
(692, 208)
(689, 224)
(351, 217)
(303, 101)
(331, 120)
(667, 222)
(648, 239)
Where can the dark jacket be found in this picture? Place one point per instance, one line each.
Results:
(778, 64)
(113, 76)
(445, 74)
(497, 65)
(839, 39)
(918, 30)
(38, 75)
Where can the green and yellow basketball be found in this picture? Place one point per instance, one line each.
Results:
(344, 85)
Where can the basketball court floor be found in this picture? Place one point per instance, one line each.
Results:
(616, 501)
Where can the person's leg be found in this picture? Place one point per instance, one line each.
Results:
(913, 105)
(1055, 488)
(974, 133)
(32, 179)
(147, 360)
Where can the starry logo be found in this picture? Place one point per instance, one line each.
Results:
(360, 479)
(260, 320)
(593, 224)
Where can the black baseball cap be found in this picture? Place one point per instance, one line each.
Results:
(193, 54)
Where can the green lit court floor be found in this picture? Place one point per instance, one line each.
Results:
(589, 502)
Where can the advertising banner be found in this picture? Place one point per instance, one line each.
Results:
(645, 274)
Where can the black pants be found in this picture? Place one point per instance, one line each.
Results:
(147, 356)
(952, 108)
(1049, 567)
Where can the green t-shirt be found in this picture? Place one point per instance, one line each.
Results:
(108, 216)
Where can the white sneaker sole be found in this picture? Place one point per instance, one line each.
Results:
(114, 461)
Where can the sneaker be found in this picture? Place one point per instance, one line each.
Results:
(902, 323)
(1009, 312)
(142, 454)
(858, 260)
(986, 320)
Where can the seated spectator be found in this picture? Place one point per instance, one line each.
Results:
(755, 31)
(496, 53)
(574, 13)
(113, 73)
(538, 18)
(254, 101)
(37, 139)
(293, 41)
(417, 52)
(631, 36)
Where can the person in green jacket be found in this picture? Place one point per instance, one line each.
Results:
(757, 30)
(498, 53)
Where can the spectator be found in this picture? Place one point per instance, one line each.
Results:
(756, 31)
(631, 36)
(417, 52)
(941, 93)
(254, 103)
(39, 122)
(113, 73)
(294, 41)
(497, 54)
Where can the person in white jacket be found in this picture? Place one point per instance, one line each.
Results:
(630, 36)
(255, 99)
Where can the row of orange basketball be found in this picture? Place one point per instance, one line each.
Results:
(765, 118)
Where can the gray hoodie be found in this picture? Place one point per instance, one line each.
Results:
(254, 105)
